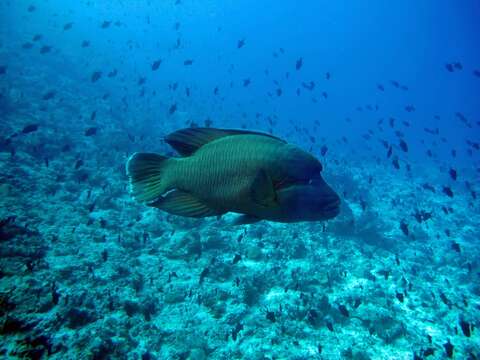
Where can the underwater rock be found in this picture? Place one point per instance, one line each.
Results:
(76, 318)
(12, 325)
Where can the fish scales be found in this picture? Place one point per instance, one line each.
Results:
(223, 170)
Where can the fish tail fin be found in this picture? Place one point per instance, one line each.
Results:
(147, 176)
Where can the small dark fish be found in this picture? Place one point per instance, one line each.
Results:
(187, 91)
(343, 310)
(449, 67)
(399, 296)
(30, 128)
(85, 43)
(37, 37)
(45, 49)
(96, 75)
(309, 86)
(453, 174)
(27, 45)
(67, 26)
(380, 87)
(458, 66)
(141, 81)
(404, 227)
(188, 62)
(395, 163)
(431, 131)
(455, 246)
(270, 315)
(299, 64)
(105, 24)
(172, 109)
(49, 95)
(240, 43)
(476, 73)
(32, 8)
(329, 325)
(236, 259)
(323, 150)
(357, 303)
(389, 153)
(93, 115)
(112, 73)
(429, 352)
(465, 327)
(79, 163)
(410, 108)
(279, 92)
(327, 76)
(425, 215)
(403, 145)
(246, 82)
(448, 348)
(445, 300)
(203, 275)
(91, 131)
(156, 64)
(395, 83)
(236, 330)
(447, 191)
(384, 273)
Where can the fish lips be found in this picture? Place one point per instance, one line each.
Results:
(331, 208)
(311, 201)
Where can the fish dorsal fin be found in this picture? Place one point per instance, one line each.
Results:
(187, 141)
(181, 203)
(262, 191)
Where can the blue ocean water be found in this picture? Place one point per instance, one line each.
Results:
(384, 94)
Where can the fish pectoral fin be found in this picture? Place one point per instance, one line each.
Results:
(181, 203)
(187, 141)
(245, 220)
(262, 190)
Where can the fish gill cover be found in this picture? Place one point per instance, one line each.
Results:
(383, 95)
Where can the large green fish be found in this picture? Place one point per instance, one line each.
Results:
(223, 170)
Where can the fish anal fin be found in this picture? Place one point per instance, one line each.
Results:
(181, 203)
(187, 141)
(245, 220)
